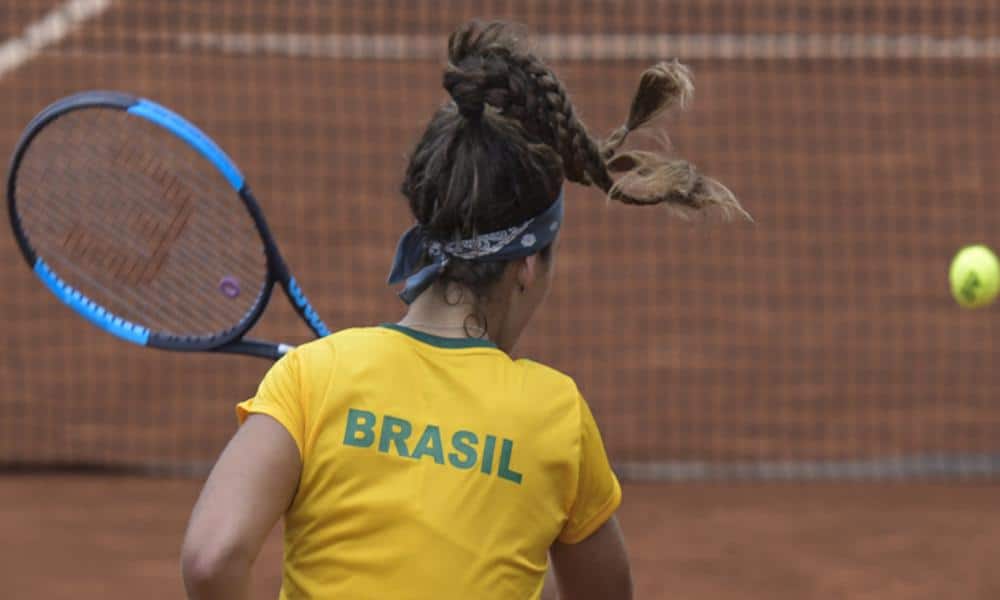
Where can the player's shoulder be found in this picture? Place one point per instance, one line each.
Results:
(547, 380)
(325, 348)
(340, 343)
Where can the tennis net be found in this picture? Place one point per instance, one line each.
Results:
(819, 342)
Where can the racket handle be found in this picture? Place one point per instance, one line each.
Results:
(265, 350)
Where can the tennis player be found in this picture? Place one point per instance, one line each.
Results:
(418, 459)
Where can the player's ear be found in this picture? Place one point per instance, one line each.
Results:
(527, 271)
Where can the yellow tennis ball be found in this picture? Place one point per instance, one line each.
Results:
(974, 276)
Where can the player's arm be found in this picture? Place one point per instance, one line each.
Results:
(249, 489)
(595, 568)
(550, 591)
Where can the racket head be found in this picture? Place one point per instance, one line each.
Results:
(140, 223)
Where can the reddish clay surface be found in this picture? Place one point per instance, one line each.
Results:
(99, 537)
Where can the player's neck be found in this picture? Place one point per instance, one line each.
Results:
(454, 315)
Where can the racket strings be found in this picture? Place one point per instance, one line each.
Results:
(127, 302)
(141, 223)
(200, 236)
(190, 174)
(121, 301)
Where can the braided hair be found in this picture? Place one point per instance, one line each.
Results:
(497, 154)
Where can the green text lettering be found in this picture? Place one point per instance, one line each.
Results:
(430, 443)
(360, 429)
(488, 446)
(504, 471)
(396, 431)
(464, 456)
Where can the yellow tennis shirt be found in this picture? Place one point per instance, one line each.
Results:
(431, 467)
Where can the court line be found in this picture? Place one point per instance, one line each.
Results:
(48, 30)
(901, 468)
(609, 47)
(895, 469)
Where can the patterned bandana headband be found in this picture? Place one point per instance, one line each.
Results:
(507, 244)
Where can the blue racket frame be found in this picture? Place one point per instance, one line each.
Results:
(228, 341)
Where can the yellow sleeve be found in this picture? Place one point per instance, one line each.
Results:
(598, 492)
(280, 397)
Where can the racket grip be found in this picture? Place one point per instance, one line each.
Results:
(265, 350)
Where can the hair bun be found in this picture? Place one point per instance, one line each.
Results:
(478, 71)
(468, 91)
(472, 111)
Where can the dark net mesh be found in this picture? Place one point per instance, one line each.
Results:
(819, 342)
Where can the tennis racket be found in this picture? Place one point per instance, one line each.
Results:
(140, 223)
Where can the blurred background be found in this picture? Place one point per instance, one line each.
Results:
(797, 407)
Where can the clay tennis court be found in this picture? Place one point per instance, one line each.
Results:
(99, 537)
(818, 417)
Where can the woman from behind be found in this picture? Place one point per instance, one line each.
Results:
(418, 459)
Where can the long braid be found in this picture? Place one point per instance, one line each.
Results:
(581, 156)
(519, 86)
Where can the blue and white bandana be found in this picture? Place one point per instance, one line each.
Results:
(507, 244)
